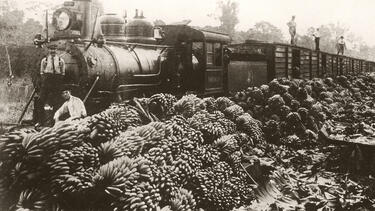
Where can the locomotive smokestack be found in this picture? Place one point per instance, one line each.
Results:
(87, 19)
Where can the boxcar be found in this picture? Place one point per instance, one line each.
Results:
(254, 63)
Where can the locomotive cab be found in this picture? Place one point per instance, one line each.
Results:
(202, 57)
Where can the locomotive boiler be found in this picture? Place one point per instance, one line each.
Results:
(109, 58)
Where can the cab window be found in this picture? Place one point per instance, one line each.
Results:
(214, 53)
(210, 53)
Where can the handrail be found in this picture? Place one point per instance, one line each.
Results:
(92, 87)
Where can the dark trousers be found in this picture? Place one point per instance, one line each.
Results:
(340, 49)
(48, 94)
(50, 87)
(317, 39)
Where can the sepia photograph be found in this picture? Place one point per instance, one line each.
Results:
(187, 105)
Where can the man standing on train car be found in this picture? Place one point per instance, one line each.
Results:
(292, 30)
(341, 46)
(52, 71)
(317, 39)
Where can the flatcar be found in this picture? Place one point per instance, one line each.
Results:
(111, 58)
(254, 63)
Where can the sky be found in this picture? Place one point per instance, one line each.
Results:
(357, 15)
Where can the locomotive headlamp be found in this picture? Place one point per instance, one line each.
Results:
(62, 21)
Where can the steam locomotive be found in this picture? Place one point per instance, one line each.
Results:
(109, 58)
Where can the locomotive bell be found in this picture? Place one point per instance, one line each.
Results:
(139, 30)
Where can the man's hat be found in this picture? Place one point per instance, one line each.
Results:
(65, 88)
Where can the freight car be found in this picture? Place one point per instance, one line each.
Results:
(109, 58)
(254, 63)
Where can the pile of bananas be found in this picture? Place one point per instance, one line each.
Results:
(122, 159)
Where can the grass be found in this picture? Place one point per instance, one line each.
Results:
(12, 104)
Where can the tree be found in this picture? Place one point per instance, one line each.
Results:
(159, 22)
(265, 31)
(228, 17)
(14, 31)
(262, 31)
(307, 40)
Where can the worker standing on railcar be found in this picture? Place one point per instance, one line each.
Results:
(341, 46)
(292, 30)
(316, 35)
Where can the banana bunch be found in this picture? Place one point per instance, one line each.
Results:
(250, 126)
(294, 124)
(235, 161)
(11, 145)
(229, 126)
(161, 128)
(222, 199)
(32, 199)
(24, 174)
(71, 171)
(182, 200)
(105, 125)
(216, 115)
(188, 105)
(275, 102)
(162, 104)
(166, 179)
(160, 155)
(115, 177)
(227, 145)
(210, 104)
(233, 112)
(192, 158)
(208, 155)
(222, 171)
(199, 119)
(179, 145)
(212, 131)
(109, 151)
(129, 143)
(272, 131)
(183, 170)
(4, 192)
(223, 103)
(243, 189)
(127, 115)
(182, 130)
(142, 196)
(287, 97)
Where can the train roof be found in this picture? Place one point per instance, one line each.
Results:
(173, 31)
(262, 43)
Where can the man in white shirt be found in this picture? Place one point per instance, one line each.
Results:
(72, 108)
(292, 30)
(52, 72)
(317, 39)
(341, 46)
